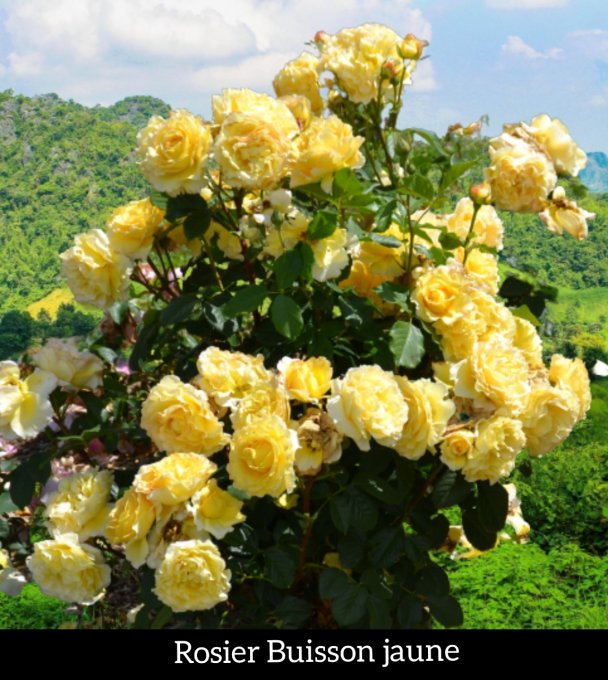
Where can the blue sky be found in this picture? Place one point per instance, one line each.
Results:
(510, 59)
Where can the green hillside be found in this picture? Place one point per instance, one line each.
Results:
(63, 169)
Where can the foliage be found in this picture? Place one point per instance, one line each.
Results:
(32, 609)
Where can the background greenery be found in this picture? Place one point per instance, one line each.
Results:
(65, 167)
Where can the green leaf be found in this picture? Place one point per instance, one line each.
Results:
(118, 311)
(287, 268)
(523, 312)
(158, 199)
(293, 611)
(280, 564)
(341, 512)
(394, 293)
(178, 309)
(308, 259)
(492, 505)
(409, 612)
(333, 583)
(246, 299)
(475, 531)
(431, 138)
(6, 505)
(393, 211)
(433, 581)
(455, 172)
(379, 612)
(345, 184)
(406, 344)
(442, 488)
(162, 618)
(449, 241)
(197, 223)
(143, 346)
(386, 547)
(23, 479)
(350, 607)
(322, 225)
(379, 488)
(446, 610)
(286, 317)
(351, 549)
(386, 241)
(183, 205)
(353, 509)
(418, 186)
(438, 255)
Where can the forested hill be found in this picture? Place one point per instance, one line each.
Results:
(595, 175)
(63, 168)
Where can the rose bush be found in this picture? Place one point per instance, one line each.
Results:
(304, 361)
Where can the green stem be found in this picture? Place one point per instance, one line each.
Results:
(470, 234)
(214, 268)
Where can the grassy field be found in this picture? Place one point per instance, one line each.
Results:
(588, 306)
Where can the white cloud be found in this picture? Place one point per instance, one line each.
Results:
(516, 46)
(183, 49)
(593, 42)
(525, 4)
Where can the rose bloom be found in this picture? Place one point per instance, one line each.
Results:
(482, 268)
(68, 364)
(173, 152)
(357, 55)
(326, 146)
(562, 215)
(520, 176)
(319, 442)
(25, 408)
(300, 109)
(173, 479)
(228, 376)
(457, 448)
(215, 510)
(571, 375)
(550, 415)
(128, 524)
(264, 399)
(330, 256)
(300, 76)
(262, 456)
(192, 576)
(252, 152)
(96, 274)
(363, 282)
(306, 380)
(226, 241)
(173, 523)
(430, 409)
(69, 570)
(487, 230)
(442, 293)
(499, 441)
(131, 228)
(554, 138)
(368, 403)
(291, 232)
(178, 417)
(528, 342)
(80, 504)
(380, 259)
(496, 374)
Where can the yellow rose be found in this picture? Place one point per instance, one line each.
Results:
(252, 152)
(571, 375)
(226, 241)
(550, 415)
(520, 176)
(131, 228)
(442, 293)
(173, 153)
(496, 373)
(380, 259)
(69, 570)
(363, 281)
(498, 442)
(300, 109)
(562, 215)
(129, 522)
(307, 380)
(215, 510)
(262, 456)
(487, 230)
(264, 399)
(429, 412)
(228, 376)
(326, 146)
(482, 268)
(95, 273)
(528, 342)
(178, 417)
(300, 76)
(319, 442)
(357, 56)
(330, 256)
(173, 523)
(491, 317)
(25, 408)
(556, 142)
(457, 448)
(80, 504)
(69, 365)
(192, 576)
(173, 479)
(367, 403)
(291, 232)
